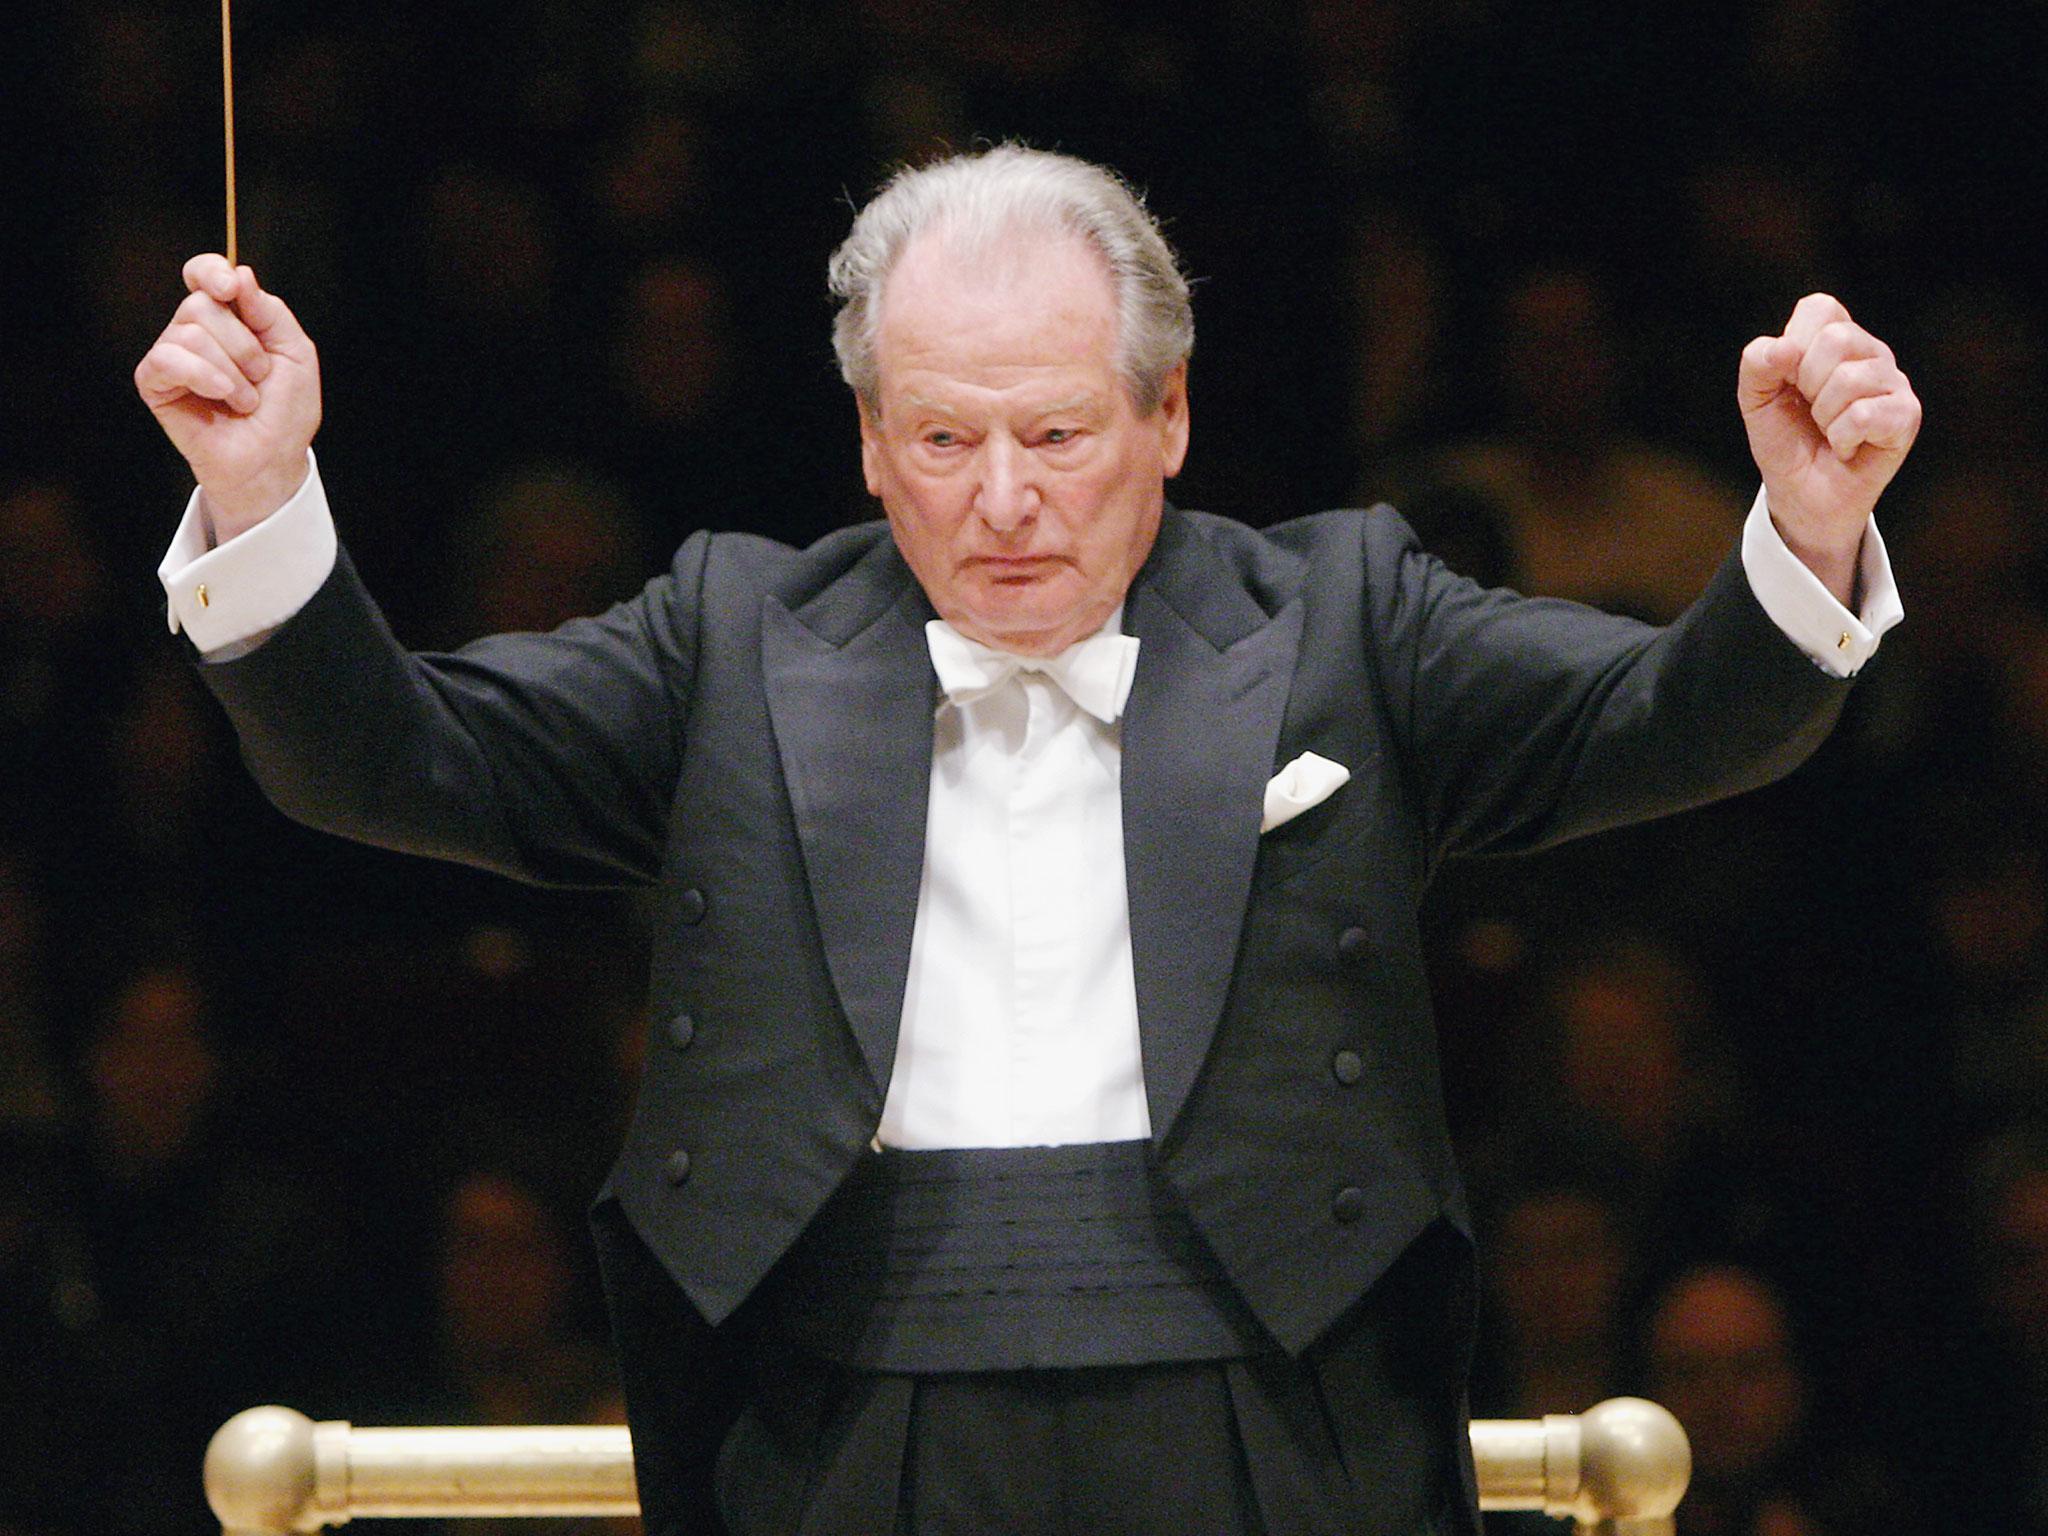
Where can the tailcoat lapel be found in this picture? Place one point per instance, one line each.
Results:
(1200, 734)
(849, 686)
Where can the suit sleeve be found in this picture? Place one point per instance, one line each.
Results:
(550, 758)
(1526, 721)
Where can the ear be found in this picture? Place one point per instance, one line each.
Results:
(870, 449)
(1173, 421)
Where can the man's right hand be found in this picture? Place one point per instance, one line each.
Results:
(235, 384)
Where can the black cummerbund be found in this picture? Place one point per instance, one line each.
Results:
(1008, 1258)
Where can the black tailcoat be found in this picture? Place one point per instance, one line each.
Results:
(752, 736)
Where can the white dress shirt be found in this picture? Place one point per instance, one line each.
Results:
(1020, 1019)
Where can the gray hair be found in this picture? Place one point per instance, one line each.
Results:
(980, 197)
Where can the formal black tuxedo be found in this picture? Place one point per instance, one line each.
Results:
(752, 736)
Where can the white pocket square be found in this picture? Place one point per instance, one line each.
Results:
(1308, 780)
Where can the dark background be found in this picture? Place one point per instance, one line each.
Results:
(1751, 1100)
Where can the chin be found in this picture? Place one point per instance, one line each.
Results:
(1012, 631)
(1008, 628)
(1013, 621)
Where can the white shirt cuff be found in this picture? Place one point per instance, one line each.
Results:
(1801, 605)
(229, 596)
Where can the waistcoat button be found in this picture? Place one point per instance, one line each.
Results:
(679, 1167)
(682, 1029)
(1347, 1067)
(690, 906)
(1349, 1204)
(1353, 942)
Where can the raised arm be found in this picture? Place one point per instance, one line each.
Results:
(547, 757)
(1537, 721)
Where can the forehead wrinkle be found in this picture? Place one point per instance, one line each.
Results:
(1083, 401)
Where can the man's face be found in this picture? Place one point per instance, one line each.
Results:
(1021, 484)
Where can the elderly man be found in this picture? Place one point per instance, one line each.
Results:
(1043, 1132)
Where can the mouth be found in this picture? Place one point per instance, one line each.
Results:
(1014, 570)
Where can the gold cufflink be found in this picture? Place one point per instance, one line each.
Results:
(1841, 645)
(207, 602)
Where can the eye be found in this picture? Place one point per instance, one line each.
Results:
(1059, 437)
(939, 437)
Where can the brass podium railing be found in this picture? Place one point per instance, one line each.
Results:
(1618, 1470)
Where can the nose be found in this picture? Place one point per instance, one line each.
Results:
(1007, 497)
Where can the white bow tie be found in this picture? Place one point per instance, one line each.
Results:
(1096, 673)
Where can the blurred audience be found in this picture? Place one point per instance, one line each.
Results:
(212, 1259)
(511, 1350)
(1586, 508)
(551, 542)
(1719, 1353)
(1559, 1262)
(1627, 1074)
(56, 1361)
(1989, 1428)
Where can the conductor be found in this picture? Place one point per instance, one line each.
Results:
(1043, 1130)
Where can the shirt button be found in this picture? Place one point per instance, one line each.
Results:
(1353, 942)
(1349, 1204)
(679, 1168)
(690, 906)
(682, 1029)
(1347, 1067)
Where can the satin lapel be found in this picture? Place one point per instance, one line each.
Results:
(853, 725)
(1199, 737)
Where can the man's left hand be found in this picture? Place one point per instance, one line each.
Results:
(1830, 417)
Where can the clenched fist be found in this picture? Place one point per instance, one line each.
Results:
(235, 384)
(1830, 418)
